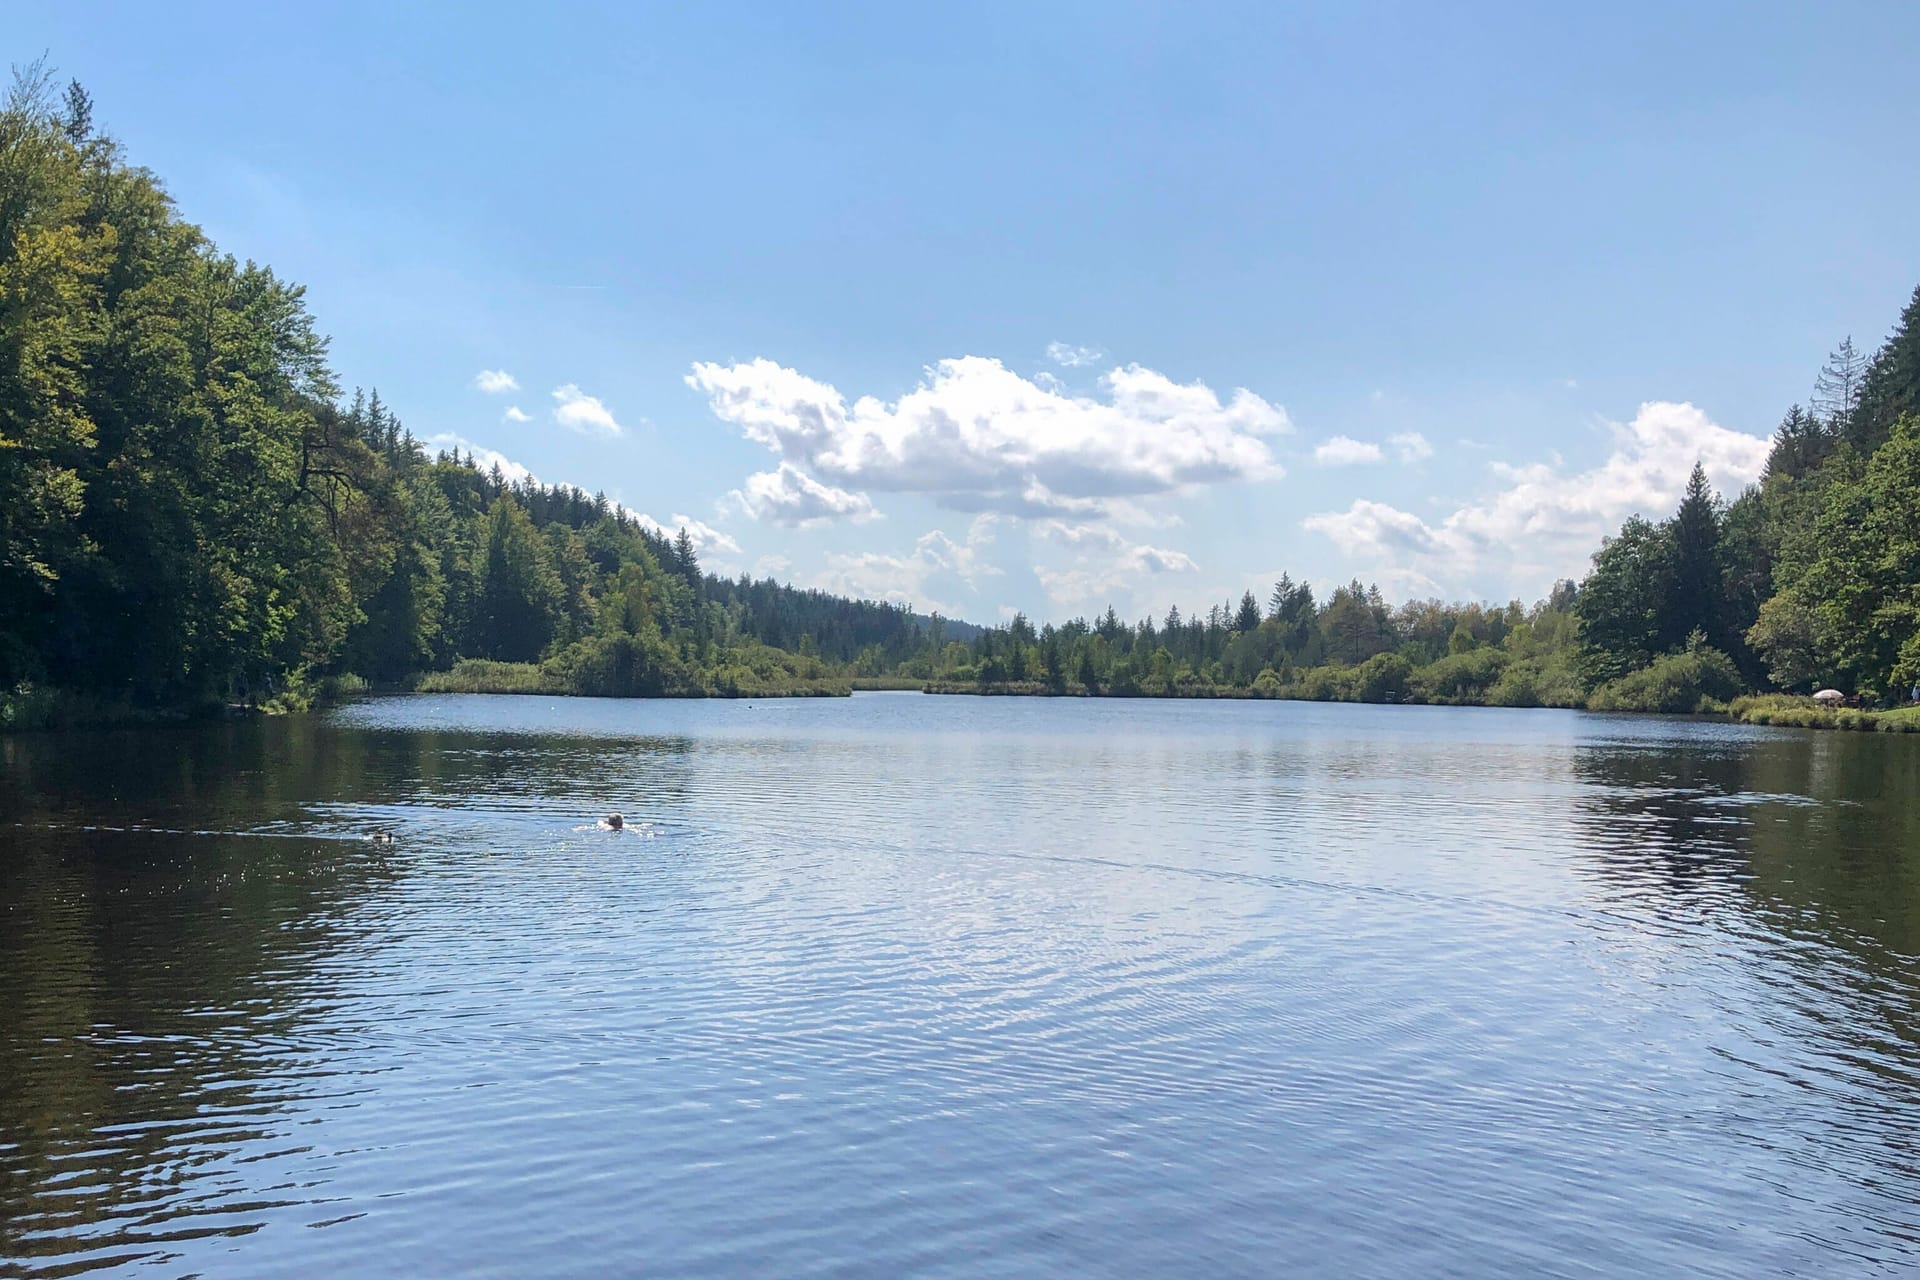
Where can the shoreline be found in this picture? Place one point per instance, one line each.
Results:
(51, 710)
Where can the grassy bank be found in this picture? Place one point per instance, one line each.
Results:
(1790, 712)
(475, 675)
(887, 684)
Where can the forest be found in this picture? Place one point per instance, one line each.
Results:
(197, 515)
(1808, 580)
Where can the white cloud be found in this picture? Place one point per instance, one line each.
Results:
(1374, 529)
(1544, 523)
(909, 579)
(773, 567)
(1068, 356)
(977, 437)
(582, 412)
(1098, 580)
(789, 496)
(1078, 536)
(1158, 560)
(1411, 446)
(495, 381)
(1344, 451)
(704, 536)
(483, 457)
(515, 414)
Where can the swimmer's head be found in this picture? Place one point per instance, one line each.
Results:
(615, 821)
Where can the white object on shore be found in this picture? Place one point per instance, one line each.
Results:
(1829, 696)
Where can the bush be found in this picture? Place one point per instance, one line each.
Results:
(479, 675)
(1460, 679)
(620, 665)
(1677, 683)
(1381, 678)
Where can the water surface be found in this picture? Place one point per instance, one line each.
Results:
(948, 986)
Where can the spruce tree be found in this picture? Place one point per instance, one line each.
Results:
(1836, 391)
(1248, 618)
(1698, 589)
(77, 121)
(1891, 386)
(684, 558)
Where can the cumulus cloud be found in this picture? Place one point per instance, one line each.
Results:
(495, 381)
(515, 414)
(1067, 534)
(1345, 451)
(484, 458)
(1098, 580)
(1068, 356)
(1543, 522)
(1411, 446)
(910, 579)
(1158, 560)
(579, 411)
(975, 436)
(789, 496)
(704, 536)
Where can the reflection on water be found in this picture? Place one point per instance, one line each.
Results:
(936, 985)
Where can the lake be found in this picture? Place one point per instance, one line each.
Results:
(906, 985)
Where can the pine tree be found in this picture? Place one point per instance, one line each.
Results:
(1248, 617)
(1891, 386)
(77, 121)
(1698, 589)
(1836, 391)
(1800, 444)
(684, 559)
(1282, 593)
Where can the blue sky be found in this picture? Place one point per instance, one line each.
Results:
(1428, 295)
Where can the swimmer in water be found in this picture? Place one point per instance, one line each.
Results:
(615, 822)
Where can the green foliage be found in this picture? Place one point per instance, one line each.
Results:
(1541, 680)
(1623, 602)
(1465, 676)
(1675, 683)
(191, 517)
(478, 675)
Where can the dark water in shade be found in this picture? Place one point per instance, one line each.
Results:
(950, 987)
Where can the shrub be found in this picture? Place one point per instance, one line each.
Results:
(479, 675)
(1461, 678)
(1674, 683)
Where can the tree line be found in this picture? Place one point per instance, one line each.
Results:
(192, 514)
(1809, 578)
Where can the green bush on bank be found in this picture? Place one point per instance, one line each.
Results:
(1676, 683)
(625, 665)
(1790, 711)
(1382, 678)
(478, 675)
(1460, 679)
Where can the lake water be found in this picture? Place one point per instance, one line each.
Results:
(905, 985)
